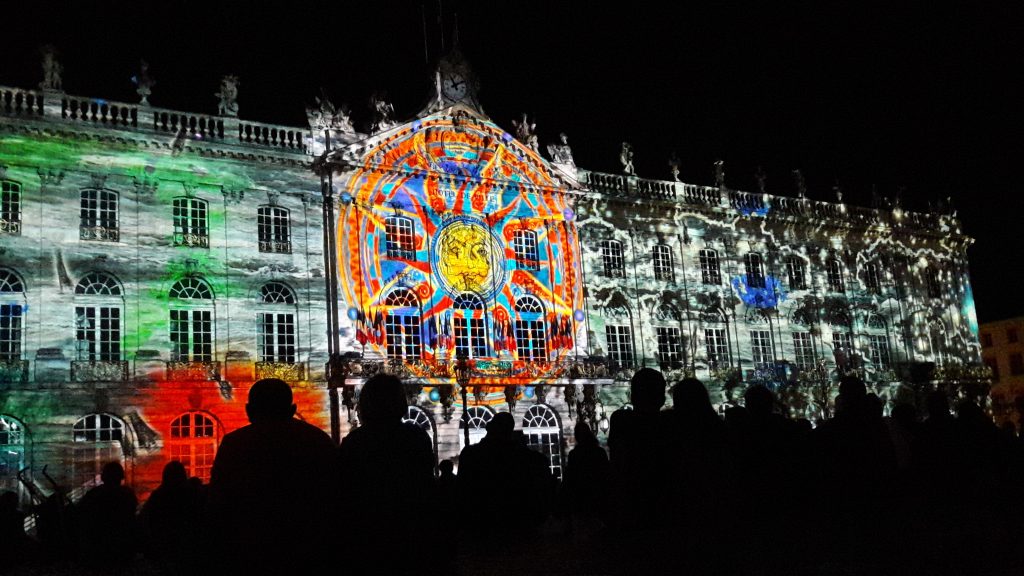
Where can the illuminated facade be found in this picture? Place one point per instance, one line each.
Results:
(154, 263)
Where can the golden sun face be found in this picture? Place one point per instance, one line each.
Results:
(464, 257)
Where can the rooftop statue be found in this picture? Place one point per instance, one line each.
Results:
(144, 83)
(673, 166)
(626, 158)
(526, 132)
(383, 113)
(228, 95)
(51, 69)
(561, 153)
(325, 116)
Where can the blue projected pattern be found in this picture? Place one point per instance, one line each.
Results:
(768, 297)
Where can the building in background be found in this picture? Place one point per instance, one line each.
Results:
(154, 263)
(1002, 349)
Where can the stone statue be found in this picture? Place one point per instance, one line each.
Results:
(51, 69)
(228, 95)
(762, 178)
(383, 113)
(325, 116)
(839, 192)
(526, 132)
(720, 174)
(673, 166)
(626, 158)
(801, 186)
(144, 83)
(561, 153)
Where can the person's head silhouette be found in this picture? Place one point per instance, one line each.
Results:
(584, 435)
(647, 390)
(500, 427)
(112, 473)
(446, 467)
(382, 400)
(270, 400)
(759, 400)
(690, 397)
(174, 474)
(937, 405)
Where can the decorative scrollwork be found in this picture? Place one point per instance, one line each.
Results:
(184, 370)
(97, 371)
(288, 372)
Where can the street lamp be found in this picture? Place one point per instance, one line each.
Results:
(462, 374)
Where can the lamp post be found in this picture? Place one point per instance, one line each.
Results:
(462, 370)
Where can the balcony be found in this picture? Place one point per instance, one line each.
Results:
(10, 227)
(186, 370)
(101, 233)
(192, 240)
(275, 246)
(99, 371)
(13, 371)
(287, 371)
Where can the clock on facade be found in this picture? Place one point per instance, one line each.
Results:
(455, 86)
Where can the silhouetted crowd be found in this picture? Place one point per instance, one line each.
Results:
(678, 490)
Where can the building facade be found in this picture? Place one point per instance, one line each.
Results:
(1003, 353)
(155, 263)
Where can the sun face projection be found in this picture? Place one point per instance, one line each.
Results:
(454, 238)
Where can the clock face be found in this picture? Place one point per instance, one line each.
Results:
(455, 86)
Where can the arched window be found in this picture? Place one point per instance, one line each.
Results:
(470, 335)
(98, 439)
(754, 265)
(796, 269)
(611, 255)
(273, 229)
(191, 223)
(710, 271)
(10, 207)
(12, 453)
(419, 417)
(98, 318)
(663, 268)
(275, 326)
(402, 324)
(193, 442)
(872, 278)
(834, 275)
(400, 238)
(98, 215)
(477, 418)
(524, 244)
(11, 314)
(191, 320)
(671, 353)
(878, 343)
(530, 332)
(543, 434)
(933, 281)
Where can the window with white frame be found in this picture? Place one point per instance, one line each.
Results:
(98, 215)
(716, 344)
(754, 264)
(194, 443)
(10, 207)
(402, 324)
(796, 269)
(11, 316)
(524, 245)
(273, 227)
(531, 342)
(98, 325)
(670, 344)
(842, 345)
(761, 348)
(620, 344)
(470, 336)
(191, 325)
(191, 223)
(476, 419)
(12, 454)
(933, 281)
(710, 271)
(663, 269)
(834, 275)
(543, 434)
(418, 417)
(872, 278)
(612, 256)
(401, 238)
(803, 350)
(275, 329)
(878, 350)
(98, 439)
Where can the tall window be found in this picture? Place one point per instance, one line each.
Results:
(933, 281)
(419, 417)
(402, 324)
(275, 327)
(878, 350)
(524, 244)
(803, 348)
(670, 345)
(761, 348)
(710, 272)
(191, 223)
(191, 321)
(401, 239)
(98, 439)
(834, 274)
(194, 443)
(476, 419)
(543, 434)
(754, 265)
(611, 255)
(717, 346)
(10, 207)
(796, 269)
(620, 344)
(530, 330)
(98, 215)
(872, 278)
(12, 453)
(10, 316)
(842, 345)
(470, 336)
(663, 269)
(98, 325)
(274, 229)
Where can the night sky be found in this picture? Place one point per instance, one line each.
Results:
(868, 94)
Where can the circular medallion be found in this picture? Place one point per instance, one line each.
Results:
(468, 258)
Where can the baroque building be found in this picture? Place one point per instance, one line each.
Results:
(154, 263)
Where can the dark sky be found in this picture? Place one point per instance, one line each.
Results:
(882, 94)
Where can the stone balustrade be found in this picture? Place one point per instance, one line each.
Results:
(17, 102)
(99, 371)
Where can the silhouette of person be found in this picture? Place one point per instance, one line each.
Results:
(446, 481)
(272, 487)
(585, 482)
(387, 470)
(107, 521)
(15, 545)
(172, 518)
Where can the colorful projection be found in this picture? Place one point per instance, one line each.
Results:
(454, 239)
